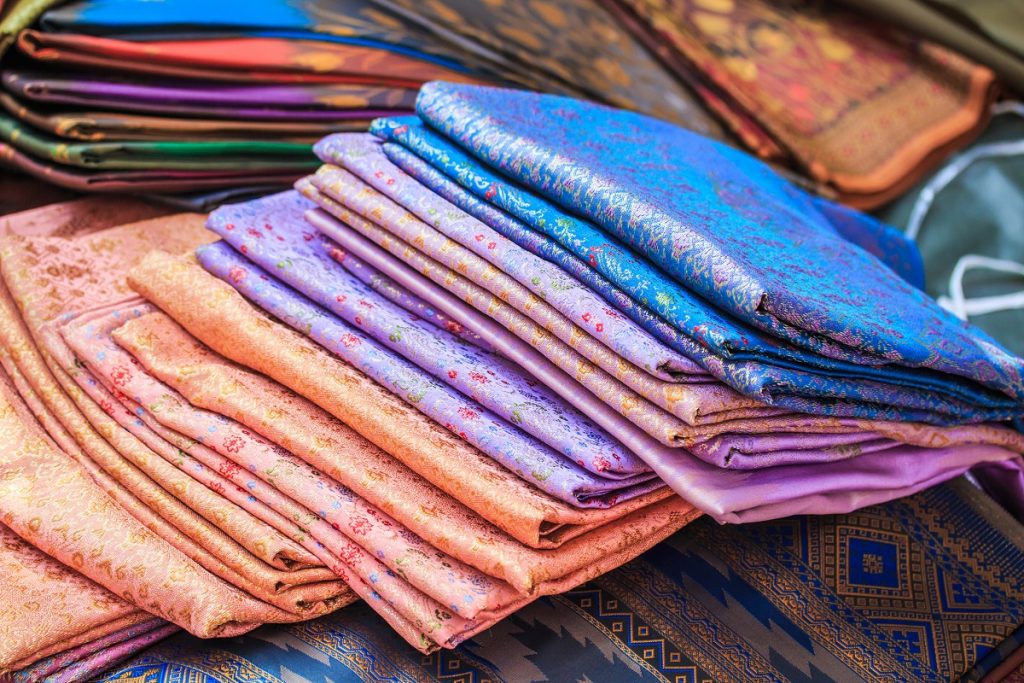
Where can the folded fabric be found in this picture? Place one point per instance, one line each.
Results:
(714, 439)
(978, 273)
(352, 22)
(264, 533)
(919, 589)
(356, 540)
(729, 496)
(88, 660)
(49, 609)
(828, 78)
(153, 180)
(237, 59)
(296, 102)
(273, 234)
(51, 502)
(212, 383)
(740, 355)
(362, 156)
(265, 156)
(400, 296)
(776, 288)
(131, 473)
(490, 490)
(105, 125)
(575, 42)
(437, 599)
(808, 438)
(636, 394)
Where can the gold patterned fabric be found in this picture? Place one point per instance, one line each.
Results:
(250, 579)
(860, 107)
(576, 46)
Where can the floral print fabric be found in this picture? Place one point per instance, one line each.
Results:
(273, 234)
(447, 461)
(729, 496)
(770, 289)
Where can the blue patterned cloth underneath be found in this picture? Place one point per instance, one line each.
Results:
(921, 589)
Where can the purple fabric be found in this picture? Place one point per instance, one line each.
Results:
(91, 658)
(243, 102)
(726, 495)
(362, 155)
(272, 233)
(396, 294)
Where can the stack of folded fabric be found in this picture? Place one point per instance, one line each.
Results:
(856, 104)
(225, 99)
(922, 589)
(476, 359)
(676, 301)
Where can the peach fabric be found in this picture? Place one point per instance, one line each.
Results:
(214, 383)
(354, 538)
(48, 500)
(218, 316)
(79, 216)
(46, 608)
(467, 600)
(50, 276)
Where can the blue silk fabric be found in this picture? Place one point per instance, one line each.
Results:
(926, 588)
(792, 299)
(353, 22)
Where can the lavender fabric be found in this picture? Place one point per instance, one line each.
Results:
(727, 495)
(589, 468)
(844, 383)
(398, 295)
(362, 155)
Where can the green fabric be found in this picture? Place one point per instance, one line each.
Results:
(20, 15)
(204, 155)
(1002, 20)
(980, 212)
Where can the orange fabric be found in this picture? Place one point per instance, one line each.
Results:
(858, 106)
(218, 316)
(49, 277)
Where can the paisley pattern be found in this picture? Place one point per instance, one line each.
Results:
(779, 295)
(921, 589)
(730, 496)
(504, 442)
(272, 233)
(447, 461)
